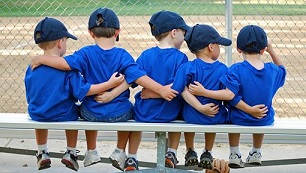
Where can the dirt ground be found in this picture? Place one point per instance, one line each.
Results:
(287, 34)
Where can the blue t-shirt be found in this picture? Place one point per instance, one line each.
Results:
(160, 65)
(253, 87)
(208, 75)
(97, 66)
(51, 94)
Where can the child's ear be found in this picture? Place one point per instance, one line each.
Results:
(262, 51)
(117, 33)
(59, 43)
(91, 33)
(239, 51)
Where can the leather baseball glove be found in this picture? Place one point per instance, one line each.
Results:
(219, 166)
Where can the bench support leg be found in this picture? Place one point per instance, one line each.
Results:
(161, 151)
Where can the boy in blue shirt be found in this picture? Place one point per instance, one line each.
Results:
(254, 81)
(203, 41)
(97, 63)
(51, 94)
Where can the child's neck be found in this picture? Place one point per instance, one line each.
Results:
(204, 57)
(166, 43)
(105, 43)
(52, 52)
(254, 60)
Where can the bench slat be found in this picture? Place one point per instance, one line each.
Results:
(281, 126)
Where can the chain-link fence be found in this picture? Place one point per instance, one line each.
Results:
(284, 21)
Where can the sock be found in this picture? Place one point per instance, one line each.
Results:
(132, 155)
(173, 151)
(73, 150)
(121, 150)
(235, 150)
(204, 150)
(41, 148)
(255, 150)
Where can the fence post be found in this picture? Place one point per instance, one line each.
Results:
(228, 31)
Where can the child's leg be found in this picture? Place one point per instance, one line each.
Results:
(134, 142)
(189, 140)
(91, 139)
(91, 156)
(72, 137)
(122, 138)
(70, 157)
(258, 140)
(41, 136)
(206, 158)
(43, 159)
(235, 160)
(191, 157)
(209, 141)
(131, 163)
(174, 140)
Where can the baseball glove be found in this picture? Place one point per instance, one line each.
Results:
(219, 166)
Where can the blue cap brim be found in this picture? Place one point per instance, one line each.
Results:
(71, 36)
(224, 41)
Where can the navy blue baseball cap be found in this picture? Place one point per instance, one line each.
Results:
(50, 29)
(252, 39)
(109, 19)
(201, 35)
(164, 21)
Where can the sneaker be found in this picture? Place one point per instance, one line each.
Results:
(70, 160)
(235, 161)
(254, 158)
(206, 160)
(171, 161)
(131, 164)
(191, 158)
(117, 159)
(43, 160)
(91, 157)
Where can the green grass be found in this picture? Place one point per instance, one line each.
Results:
(12, 8)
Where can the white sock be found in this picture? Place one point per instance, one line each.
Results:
(72, 149)
(132, 155)
(173, 151)
(235, 150)
(255, 150)
(121, 150)
(41, 148)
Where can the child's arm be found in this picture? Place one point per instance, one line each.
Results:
(198, 89)
(209, 109)
(149, 94)
(257, 111)
(108, 96)
(51, 61)
(165, 91)
(114, 81)
(273, 55)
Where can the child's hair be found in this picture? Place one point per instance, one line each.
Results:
(161, 36)
(103, 32)
(47, 45)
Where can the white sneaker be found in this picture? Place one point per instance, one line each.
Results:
(235, 161)
(118, 159)
(254, 158)
(91, 157)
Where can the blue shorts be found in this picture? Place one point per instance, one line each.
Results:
(88, 116)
